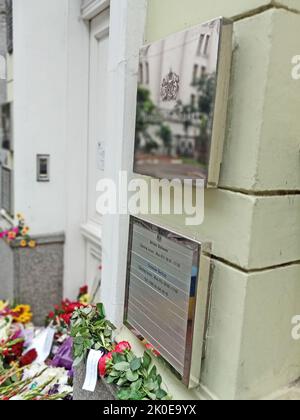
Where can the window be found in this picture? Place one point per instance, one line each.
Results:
(200, 44)
(9, 25)
(6, 135)
(193, 100)
(141, 74)
(195, 73)
(147, 73)
(206, 47)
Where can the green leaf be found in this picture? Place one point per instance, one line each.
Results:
(118, 358)
(153, 373)
(124, 394)
(107, 333)
(114, 374)
(110, 380)
(150, 385)
(159, 380)
(101, 310)
(87, 311)
(146, 361)
(110, 325)
(79, 341)
(121, 367)
(78, 350)
(135, 364)
(136, 386)
(121, 381)
(132, 376)
(151, 396)
(160, 394)
(78, 360)
(136, 396)
(88, 344)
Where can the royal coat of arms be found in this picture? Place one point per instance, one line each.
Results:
(170, 87)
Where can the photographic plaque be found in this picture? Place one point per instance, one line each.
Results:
(166, 296)
(182, 104)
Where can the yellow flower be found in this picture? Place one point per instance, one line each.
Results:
(22, 314)
(85, 299)
(23, 243)
(32, 244)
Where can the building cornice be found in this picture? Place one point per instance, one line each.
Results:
(93, 8)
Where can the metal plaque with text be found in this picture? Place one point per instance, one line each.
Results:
(162, 283)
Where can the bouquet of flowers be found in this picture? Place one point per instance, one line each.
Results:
(21, 378)
(20, 314)
(61, 316)
(18, 235)
(37, 382)
(135, 378)
(90, 330)
(13, 358)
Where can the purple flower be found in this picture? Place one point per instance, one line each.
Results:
(54, 390)
(64, 357)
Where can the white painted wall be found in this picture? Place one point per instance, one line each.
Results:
(76, 146)
(40, 96)
(50, 76)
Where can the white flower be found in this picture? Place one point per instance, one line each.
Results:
(5, 326)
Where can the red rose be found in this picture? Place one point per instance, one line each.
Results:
(28, 358)
(51, 315)
(123, 346)
(72, 307)
(14, 352)
(102, 364)
(83, 291)
(66, 318)
(17, 349)
(5, 353)
(65, 305)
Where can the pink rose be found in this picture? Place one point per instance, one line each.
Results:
(121, 347)
(102, 364)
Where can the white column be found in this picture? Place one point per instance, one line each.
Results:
(126, 37)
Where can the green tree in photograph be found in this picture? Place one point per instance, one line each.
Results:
(145, 112)
(165, 133)
(206, 88)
